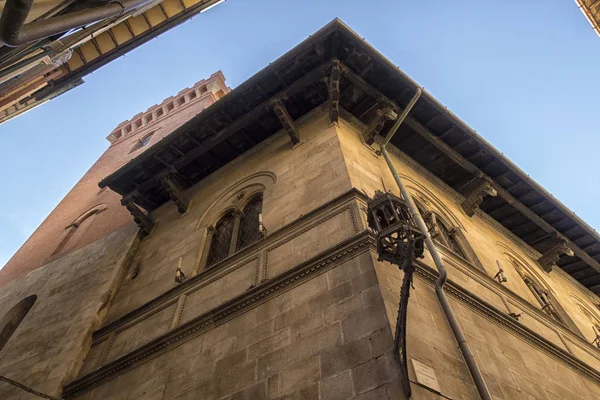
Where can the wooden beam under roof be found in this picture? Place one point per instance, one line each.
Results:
(213, 140)
(287, 122)
(470, 167)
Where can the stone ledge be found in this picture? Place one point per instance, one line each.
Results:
(508, 323)
(349, 249)
(340, 253)
(307, 221)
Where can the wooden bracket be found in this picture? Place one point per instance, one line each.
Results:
(334, 92)
(175, 190)
(286, 121)
(475, 196)
(141, 219)
(376, 125)
(551, 256)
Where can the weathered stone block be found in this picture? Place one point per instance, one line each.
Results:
(300, 376)
(374, 373)
(345, 357)
(338, 387)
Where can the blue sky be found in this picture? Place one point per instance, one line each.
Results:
(524, 74)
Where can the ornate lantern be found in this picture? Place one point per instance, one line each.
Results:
(399, 240)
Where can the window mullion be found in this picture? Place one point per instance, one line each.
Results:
(235, 232)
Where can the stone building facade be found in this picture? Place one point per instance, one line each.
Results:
(246, 269)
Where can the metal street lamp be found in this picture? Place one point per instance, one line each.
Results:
(399, 240)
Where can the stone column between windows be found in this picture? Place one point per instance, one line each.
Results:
(237, 215)
(210, 232)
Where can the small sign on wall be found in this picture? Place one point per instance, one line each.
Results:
(425, 376)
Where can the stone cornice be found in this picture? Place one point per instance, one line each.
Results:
(488, 283)
(305, 222)
(500, 318)
(342, 252)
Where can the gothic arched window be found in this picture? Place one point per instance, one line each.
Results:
(235, 231)
(447, 237)
(543, 298)
(440, 233)
(450, 238)
(250, 230)
(221, 239)
(14, 317)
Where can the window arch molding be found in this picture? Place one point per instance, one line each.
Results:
(231, 200)
(542, 293)
(13, 318)
(98, 208)
(592, 317)
(445, 228)
(431, 202)
(230, 197)
(73, 229)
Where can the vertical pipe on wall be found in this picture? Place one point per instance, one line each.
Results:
(437, 259)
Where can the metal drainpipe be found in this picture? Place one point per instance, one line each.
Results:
(437, 259)
(14, 32)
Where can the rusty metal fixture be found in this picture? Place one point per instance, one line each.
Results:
(399, 240)
(500, 274)
(596, 341)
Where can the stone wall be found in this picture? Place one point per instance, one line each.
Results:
(48, 348)
(326, 338)
(489, 241)
(308, 312)
(295, 182)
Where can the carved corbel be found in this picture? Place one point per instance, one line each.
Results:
(286, 121)
(376, 125)
(548, 260)
(141, 219)
(175, 190)
(475, 196)
(334, 92)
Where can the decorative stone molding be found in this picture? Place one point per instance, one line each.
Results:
(509, 297)
(344, 251)
(349, 249)
(503, 320)
(250, 253)
(308, 227)
(548, 260)
(482, 187)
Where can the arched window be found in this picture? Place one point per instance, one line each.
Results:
(450, 238)
(13, 319)
(440, 233)
(544, 298)
(235, 231)
(250, 229)
(142, 142)
(74, 232)
(550, 305)
(221, 239)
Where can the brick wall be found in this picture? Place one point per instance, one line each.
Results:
(40, 246)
